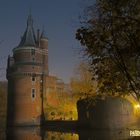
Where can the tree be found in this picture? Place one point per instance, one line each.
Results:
(111, 39)
(53, 115)
(82, 83)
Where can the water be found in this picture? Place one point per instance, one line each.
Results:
(35, 133)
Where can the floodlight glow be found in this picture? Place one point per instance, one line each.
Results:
(137, 106)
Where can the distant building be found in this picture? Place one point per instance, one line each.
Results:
(54, 89)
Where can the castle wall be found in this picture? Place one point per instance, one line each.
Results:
(27, 54)
(25, 88)
(110, 113)
(25, 109)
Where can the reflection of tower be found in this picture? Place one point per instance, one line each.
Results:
(23, 133)
(26, 74)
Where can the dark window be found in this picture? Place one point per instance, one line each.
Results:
(33, 90)
(33, 51)
(33, 93)
(33, 62)
(33, 79)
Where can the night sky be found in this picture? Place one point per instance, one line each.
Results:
(59, 18)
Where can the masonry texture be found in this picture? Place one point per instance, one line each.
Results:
(109, 113)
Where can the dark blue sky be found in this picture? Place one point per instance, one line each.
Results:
(60, 20)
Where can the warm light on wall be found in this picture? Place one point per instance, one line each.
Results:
(137, 109)
(137, 106)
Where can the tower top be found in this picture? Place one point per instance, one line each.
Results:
(30, 21)
(28, 38)
(43, 35)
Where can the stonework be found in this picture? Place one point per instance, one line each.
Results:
(109, 113)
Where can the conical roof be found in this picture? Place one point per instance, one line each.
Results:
(43, 35)
(28, 38)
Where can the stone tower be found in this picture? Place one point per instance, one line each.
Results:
(27, 70)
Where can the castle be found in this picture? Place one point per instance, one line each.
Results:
(27, 71)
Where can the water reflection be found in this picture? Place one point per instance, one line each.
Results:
(105, 135)
(2, 135)
(23, 133)
(38, 134)
(60, 136)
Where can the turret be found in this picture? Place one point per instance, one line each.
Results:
(43, 41)
(44, 47)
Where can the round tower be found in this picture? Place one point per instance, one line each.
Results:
(25, 74)
(43, 40)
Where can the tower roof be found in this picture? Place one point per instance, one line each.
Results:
(43, 35)
(28, 38)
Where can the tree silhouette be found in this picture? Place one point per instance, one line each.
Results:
(111, 39)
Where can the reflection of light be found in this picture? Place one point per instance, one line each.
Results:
(137, 106)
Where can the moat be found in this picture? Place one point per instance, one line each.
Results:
(67, 130)
(36, 133)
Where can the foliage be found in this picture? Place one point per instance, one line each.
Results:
(60, 136)
(110, 36)
(82, 83)
(67, 106)
(66, 109)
